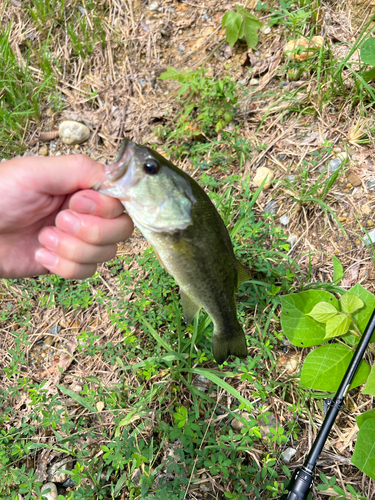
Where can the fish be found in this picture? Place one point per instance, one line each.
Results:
(188, 237)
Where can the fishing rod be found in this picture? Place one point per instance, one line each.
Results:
(302, 479)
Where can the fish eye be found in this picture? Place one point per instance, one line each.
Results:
(151, 167)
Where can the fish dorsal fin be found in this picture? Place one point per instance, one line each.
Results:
(243, 275)
(189, 307)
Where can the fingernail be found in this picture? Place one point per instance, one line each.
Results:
(46, 258)
(83, 205)
(68, 222)
(49, 238)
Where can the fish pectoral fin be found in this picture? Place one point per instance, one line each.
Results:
(243, 275)
(189, 307)
(159, 259)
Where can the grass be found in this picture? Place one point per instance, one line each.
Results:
(128, 411)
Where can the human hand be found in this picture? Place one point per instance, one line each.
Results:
(51, 221)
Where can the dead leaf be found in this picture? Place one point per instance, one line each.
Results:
(351, 277)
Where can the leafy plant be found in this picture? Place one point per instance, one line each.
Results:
(312, 317)
(241, 24)
(208, 104)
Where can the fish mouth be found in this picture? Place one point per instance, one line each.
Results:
(119, 167)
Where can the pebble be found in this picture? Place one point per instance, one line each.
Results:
(265, 428)
(334, 164)
(56, 329)
(202, 383)
(54, 473)
(342, 156)
(181, 48)
(370, 237)
(370, 184)
(237, 425)
(288, 363)
(205, 487)
(154, 6)
(118, 22)
(254, 81)
(270, 207)
(69, 483)
(290, 178)
(208, 31)
(52, 494)
(365, 209)
(219, 411)
(261, 174)
(281, 156)
(53, 146)
(206, 17)
(71, 132)
(43, 151)
(136, 476)
(284, 220)
(354, 180)
(370, 223)
(266, 30)
(288, 454)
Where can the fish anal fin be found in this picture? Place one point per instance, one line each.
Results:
(189, 307)
(243, 275)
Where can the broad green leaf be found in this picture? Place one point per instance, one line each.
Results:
(370, 384)
(323, 311)
(364, 452)
(365, 416)
(170, 73)
(301, 329)
(324, 368)
(350, 303)
(248, 15)
(80, 400)
(368, 75)
(338, 271)
(362, 316)
(232, 23)
(368, 51)
(249, 31)
(337, 326)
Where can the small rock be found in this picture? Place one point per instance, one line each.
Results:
(288, 363)
(136, 476)
(291, 47)
(181, 48)
(370, 223)
(342, 156)
(69, 483)
(227, 52)
(43, 151)
(154, 6)
(284, 220)
(208, 31)
(237, 425)
(202, 383)
(270, 207)
(82, 10)
(334, 164)
(365, 209)
(370, 237)
(219, 411)
(53, 146)
(206, 17)
(266, 30)
(52, 494)
(261, 174)
(290, 178)
(292, 240)
(56, 329)
(370, 184)
(281, 157)
(265, 428)
(288, 454)
(354, 180)
(54, 471)
(118, 22)
(71, 132)
(205, 487)
(254, 81)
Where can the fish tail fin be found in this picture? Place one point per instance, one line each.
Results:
(233, 343)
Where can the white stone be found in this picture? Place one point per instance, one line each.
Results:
(71, 132)
(284, 220)
(342, 156)
(266, 30)
(154, 6)
(254, 81)
(371, 234)
(52, 494)
(288, 454)
(261, 174)
(54, 472)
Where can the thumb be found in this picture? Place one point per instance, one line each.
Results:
(59, 175)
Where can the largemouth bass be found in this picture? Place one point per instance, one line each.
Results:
(188, 236)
